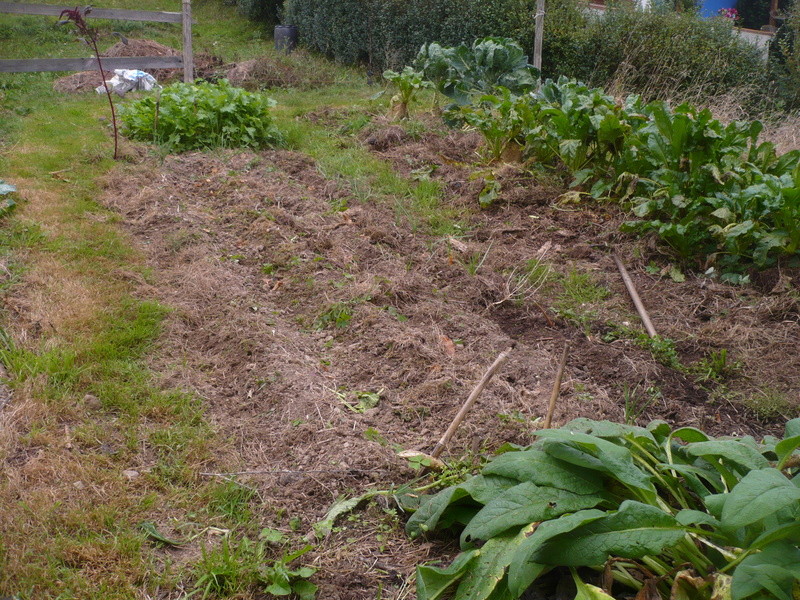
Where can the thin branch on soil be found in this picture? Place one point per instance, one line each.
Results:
(279, 471)
(486, 254)
(556, 387)
(637, 301)
(437, 449)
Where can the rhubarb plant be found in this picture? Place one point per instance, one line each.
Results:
(655, 512)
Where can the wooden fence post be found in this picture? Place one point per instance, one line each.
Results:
(188, 65)
(537, 40)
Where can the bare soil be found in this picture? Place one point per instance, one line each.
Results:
(290, 317)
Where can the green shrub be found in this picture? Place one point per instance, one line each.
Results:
(388, 33)
(785, 60)
(718, 196)
(666, 55)
(655, 53)
(265, 11)
(202, 115)
(461, 71)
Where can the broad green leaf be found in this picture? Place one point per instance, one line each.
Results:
(731, 451)
(774, 570)
(431, 509)
(304, 572)
(660, 430)
(537, 466)
(715, 503)
(305, 590)
(432, 582)
(759, 494)
(792, 426)
(607, 429)
(524, 570)
(484, 575)
(785, 449)
(723, 213)
(487, 486)
(522, 504)
(279, 588)
(634, 531)
(786, 531)
(596, 453)
(688, 516)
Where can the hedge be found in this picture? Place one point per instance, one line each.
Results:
(660, 54)
(388, 33)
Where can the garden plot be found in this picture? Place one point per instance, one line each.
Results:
(326, 333)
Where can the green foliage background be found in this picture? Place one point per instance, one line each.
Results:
(655, 53)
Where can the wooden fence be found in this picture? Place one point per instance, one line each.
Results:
(128, 62)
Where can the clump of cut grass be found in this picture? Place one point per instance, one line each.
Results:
(577, 297)
(769, 404)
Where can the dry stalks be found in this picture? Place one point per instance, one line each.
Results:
(785, 134)
(522, 284)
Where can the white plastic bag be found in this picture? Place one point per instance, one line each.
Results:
(126, 80)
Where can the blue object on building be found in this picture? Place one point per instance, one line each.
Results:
(710, 8)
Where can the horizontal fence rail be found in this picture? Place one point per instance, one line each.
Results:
(119, 14)
(109, 64)
(31, 65)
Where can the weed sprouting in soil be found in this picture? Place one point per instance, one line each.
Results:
(240, 564)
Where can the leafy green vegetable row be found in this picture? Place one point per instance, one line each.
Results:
(185, 116)
(677, 512)
(715, 193)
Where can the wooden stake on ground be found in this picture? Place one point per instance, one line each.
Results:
(637, 302)
(551, 408)
(437, 449)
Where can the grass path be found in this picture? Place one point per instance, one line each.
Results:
(94, 446)
(87, 413)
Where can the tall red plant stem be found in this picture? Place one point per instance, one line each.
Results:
(76, 16)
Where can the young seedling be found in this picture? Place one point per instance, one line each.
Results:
(77, 16)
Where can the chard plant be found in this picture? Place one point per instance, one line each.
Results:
(77, 16)
(623, 510)
(501, 119)
(722, 200)
(186, 116)
(408, 82)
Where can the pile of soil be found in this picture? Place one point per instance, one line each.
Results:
(83, 81)
(324, 331)
(272, 72)
(137, 47)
